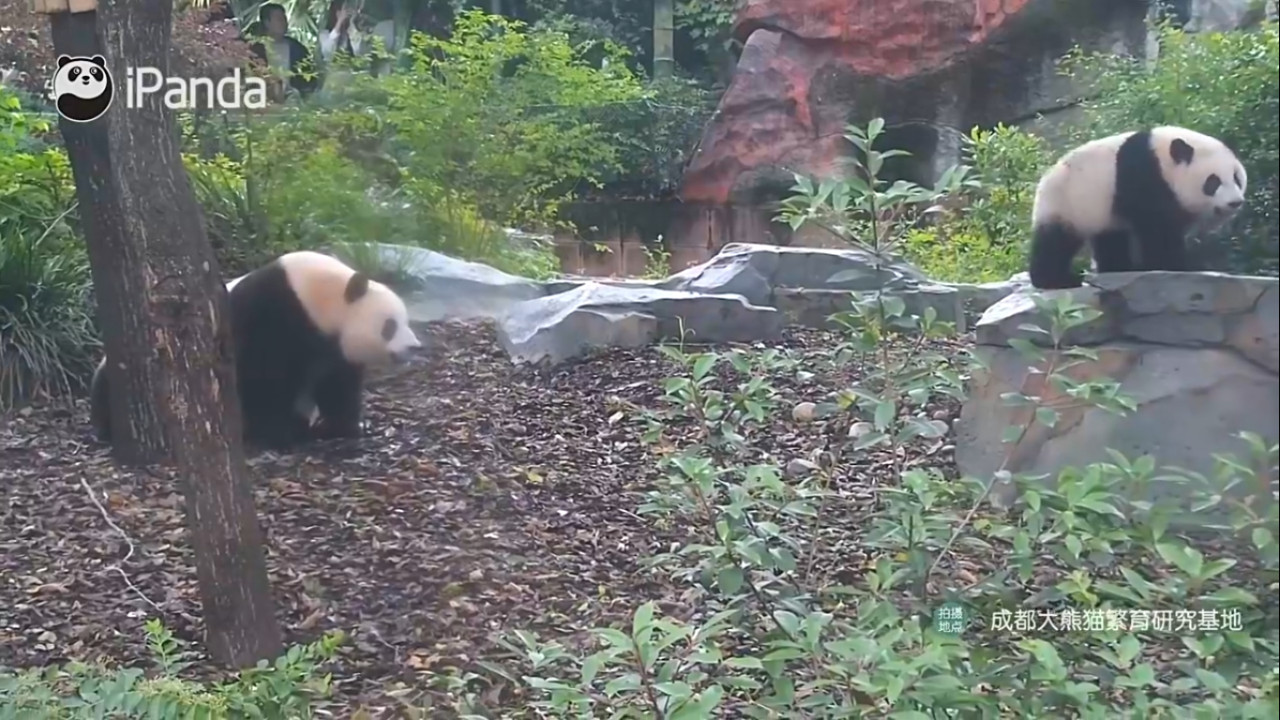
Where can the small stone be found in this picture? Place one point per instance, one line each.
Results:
(804, 412)
(859, 429)
(799, 468)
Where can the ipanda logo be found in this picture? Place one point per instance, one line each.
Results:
(83, 89)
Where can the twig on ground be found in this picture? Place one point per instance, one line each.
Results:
(116, 566)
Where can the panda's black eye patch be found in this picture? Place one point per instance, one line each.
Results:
(1212, 184)
(1239, 182)
(389, 328)
(75, 73)
(96, 73)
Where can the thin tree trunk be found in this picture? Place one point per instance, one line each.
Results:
(664, 30)
(162, 307)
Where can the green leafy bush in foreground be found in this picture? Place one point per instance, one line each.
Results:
(942, 610)
(944, 613)
(287, 688)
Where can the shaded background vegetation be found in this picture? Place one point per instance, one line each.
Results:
(494, 122)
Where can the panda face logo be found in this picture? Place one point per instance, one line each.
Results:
(82, 87)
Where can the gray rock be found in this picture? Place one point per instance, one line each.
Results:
(566, 283)
(446, 288)
(978, 297)
(754, 270)
(814, 308)
(1218, 15)
(594, 315)
(1197, 352)
(810, 284)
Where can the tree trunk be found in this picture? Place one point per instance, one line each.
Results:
(664, 30)
(162, 307)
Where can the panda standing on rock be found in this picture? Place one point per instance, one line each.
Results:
(305, 328)
(1129, 201)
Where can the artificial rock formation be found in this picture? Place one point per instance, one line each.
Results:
(932, 68)
(747, 292)
(1199, 353)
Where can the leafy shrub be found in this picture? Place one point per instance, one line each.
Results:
(912, 630)
(47, 332)
(656, 136)
(46, 322)
(494, 126)
(941, 610)
(500, 114)
(289, 688)
(865, 209)
(984, 238)
(1218, 83)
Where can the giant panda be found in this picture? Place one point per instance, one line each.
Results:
(100, 393)
(305, 327)
(1129, 201)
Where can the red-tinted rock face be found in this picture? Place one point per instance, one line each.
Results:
(809, 67)
(889, 38)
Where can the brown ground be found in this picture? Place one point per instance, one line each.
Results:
(488, 497)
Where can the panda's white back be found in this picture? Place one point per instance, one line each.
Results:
(1079, 188)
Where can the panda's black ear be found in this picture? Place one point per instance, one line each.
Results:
(63, 60)
(98, 60)
(1181, 151)
(357, 286)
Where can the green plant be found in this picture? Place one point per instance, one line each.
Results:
(46, 323)
(657, 261)
(785, 636)
(500, 114)
(908, 632)
(238, 231)
(983, 237)
(864, 209)
(287, 688)
(656, 136)
(1217, 83)
(707, 21)
(47, 334)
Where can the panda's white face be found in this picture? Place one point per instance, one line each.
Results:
(1206, 175)
(80, 78)
(377, 330)
(369, 320)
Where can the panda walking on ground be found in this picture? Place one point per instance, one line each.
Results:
(1130, 200)
(305, 328)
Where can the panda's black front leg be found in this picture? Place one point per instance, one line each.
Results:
(339, 395)
(1113, 252)
(274, 426)
(1162, 244)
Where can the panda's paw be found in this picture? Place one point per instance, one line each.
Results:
(327, 430)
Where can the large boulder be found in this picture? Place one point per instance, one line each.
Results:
(1221, 15)
(595, 315)
(1199, 353)
(809, 284)
(436, 286)
(931, 68)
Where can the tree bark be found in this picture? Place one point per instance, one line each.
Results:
(162, 307)
(664, 31)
